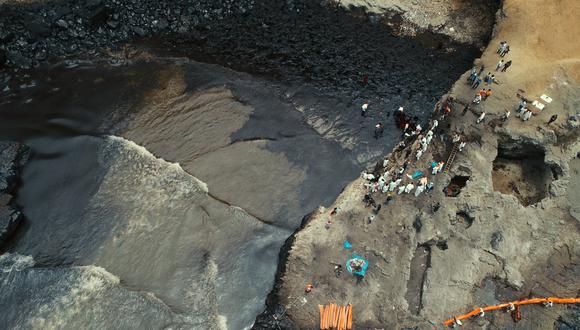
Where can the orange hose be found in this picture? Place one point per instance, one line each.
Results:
(349, 318)
(336, 317)
(331, 316)
(328, 316)
(325, 320)
(321, 312)
(338, 324)
(342, 319)
(514, 303)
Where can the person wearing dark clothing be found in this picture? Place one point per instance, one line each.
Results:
(476, 83)
(389, 198)
(505, 51)
(436, 207)
(481, 69)
(552, 119)
(465, 109)
(367, 198)
(377, 209)
(365, 80)
(506, 65)
(379, 129)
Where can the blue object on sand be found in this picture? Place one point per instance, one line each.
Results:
(347, 245)
(357, 265)
(417, 174)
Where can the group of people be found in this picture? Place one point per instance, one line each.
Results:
(482, 95)
(523, 112)
(489, 79)
(395, 181)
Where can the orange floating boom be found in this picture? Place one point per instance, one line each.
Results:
(345, 319)
(336, 315)
(321, 311)
(530, 301)
(325, 321)
(349, 318)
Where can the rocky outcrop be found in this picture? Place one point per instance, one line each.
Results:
(12, 157)
(32, 32)
(463, 21)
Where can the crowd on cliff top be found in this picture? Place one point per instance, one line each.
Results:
(407, 175)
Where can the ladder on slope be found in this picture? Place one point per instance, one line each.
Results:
(451, 158)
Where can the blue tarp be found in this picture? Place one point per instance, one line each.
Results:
(364, 264)
(347, 245)
(417, 174)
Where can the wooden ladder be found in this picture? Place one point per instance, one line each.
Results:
(451, 158)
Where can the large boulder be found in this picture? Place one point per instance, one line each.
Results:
(9, 220)
(9, 155)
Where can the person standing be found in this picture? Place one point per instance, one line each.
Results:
(379, 130)
(389, 198)
(527, 115)
(499, 65)
(472, 76)
(505, 51)
(465, 109)
(501, 47)
(482, 93)
(481, 69)
(552, 119)
(364, 109)
(521, 105)
(488, 93)
(476, 82)
(481, 117)
(506, 66)
(419, 190)
(506, 115)
(487, 78)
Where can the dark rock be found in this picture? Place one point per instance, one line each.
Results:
(112, 24)
(569, 320)
(3, 57)
(162, 24)
(94, 3)
(40, 56)
(139, 31)
(496, 238)
(98, 16)
(6, 36)
(12, 156)
(38, 28)
(62, 23)
(9, 220)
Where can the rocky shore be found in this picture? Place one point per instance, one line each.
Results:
(12, 157)
(463, 21)
(510, 232)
